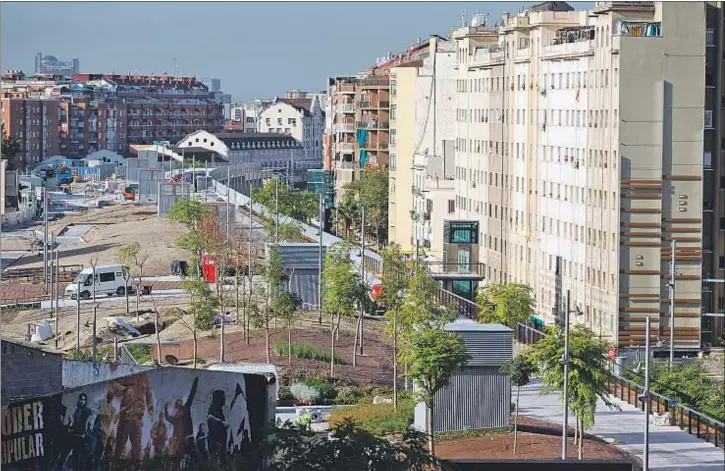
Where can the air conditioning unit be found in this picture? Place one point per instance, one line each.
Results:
(638, 264)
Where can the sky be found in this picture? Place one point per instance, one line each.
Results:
(257, 49)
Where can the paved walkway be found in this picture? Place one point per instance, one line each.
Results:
(671, 449)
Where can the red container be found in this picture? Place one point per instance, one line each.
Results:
(208, 268)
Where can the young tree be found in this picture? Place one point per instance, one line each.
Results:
(507, 304)
(127, 257)
(11, 148)
(140, 257)
(342, 290)
(371, 191)
(588, 372)
(519, 370)
(396, 274)
(192, 213)
(436, 355)
(277, 195)
(157, 328)
(286, 306)
(201, 310)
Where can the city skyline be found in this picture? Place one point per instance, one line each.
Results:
(310, 46)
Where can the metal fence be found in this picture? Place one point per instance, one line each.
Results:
(696, 423)
(465, 307)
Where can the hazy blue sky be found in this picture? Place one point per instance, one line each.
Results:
(257, 49)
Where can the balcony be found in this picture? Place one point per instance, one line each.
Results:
(345, 165)
(384, 125)
(639, 29)
(384, 104)
(346, 89)
(344, 147)
(455, 269)
(345, 108)
(374, 83)
(367, 124)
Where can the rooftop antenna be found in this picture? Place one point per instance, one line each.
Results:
(463, 18)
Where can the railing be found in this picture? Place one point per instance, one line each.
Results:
(465, 307)
(65, 273)
(345, 107)
(696, 423)
(454, 268)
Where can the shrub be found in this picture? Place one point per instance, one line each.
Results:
(326, 389)
(348, 394)
(141, 353)
(305, 393)
(308, 352)
(378, 419)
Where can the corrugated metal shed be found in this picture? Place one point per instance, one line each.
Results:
(301, 261)
(479, 396)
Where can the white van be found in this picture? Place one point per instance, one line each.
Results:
(109, 281)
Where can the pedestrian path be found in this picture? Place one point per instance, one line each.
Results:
(671, 449)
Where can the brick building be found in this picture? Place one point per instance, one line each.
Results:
(35, 121)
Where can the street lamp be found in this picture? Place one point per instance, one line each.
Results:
(565, 361)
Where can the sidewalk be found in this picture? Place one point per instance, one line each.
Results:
(670, 448)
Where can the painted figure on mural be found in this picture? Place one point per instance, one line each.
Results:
(136, 398)
(80, 429)
(182, 439)
(202, 442)
(159, 436)
(218, 426)
(108, 416)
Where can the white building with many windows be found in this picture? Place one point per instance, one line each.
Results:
(301, 118)
(579, 151)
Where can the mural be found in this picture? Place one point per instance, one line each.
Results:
(180, 415)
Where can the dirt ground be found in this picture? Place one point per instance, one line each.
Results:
(545, 445)
(375, 366)
(15, 321)
(113, 227)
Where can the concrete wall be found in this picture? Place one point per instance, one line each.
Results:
(29, 372)
(170, 193)
(84, 373)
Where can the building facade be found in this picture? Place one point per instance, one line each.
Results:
(54, 66)
(576, 144)
(301, 118)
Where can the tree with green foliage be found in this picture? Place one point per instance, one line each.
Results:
(588, 372)
(519, 370)
(202, 305)
(277, 195)
(192, 213)
(286, 307)
(12, 147)
(436, 355)
(342, 290)
(134, 255)
(506, 304)
(349, 447)
(396, 274)
(371, 192)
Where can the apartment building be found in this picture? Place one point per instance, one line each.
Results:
(422, 131)
(578, 145)
(35, 121)
(301, 118)
(108, 111)
(713, 223)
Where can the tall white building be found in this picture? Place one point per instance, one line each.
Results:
(301, 118)
(579, 147)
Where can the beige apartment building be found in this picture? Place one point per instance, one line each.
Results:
(579, 141)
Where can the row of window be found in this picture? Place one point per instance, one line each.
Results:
(559, 117)
(554, 81)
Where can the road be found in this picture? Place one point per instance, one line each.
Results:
(671, 449)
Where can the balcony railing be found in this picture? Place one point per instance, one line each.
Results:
(344, 146)
(345, 107)
(345, 127)
(384, 104)
(454, 268)
(367, 124)
(344, 165)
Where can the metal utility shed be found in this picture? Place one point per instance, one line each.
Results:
(301, 262)
(479, 396)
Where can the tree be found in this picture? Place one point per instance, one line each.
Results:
(277, 195)
(298, 449)
(342, 290)
(201, 310)
(588, 372)
(192, 213)
(519, 370)
(370, 191)
(12, 147)
(396, 274)
(286, 306)
(127, 257)
(134, 255)
(507, 304)
(436, 355)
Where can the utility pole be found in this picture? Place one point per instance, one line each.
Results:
(78, 315)
(45, 239)
(319, 262)
(93, 352)
(57, 296)
(672, 303)
(565, 360)
(362, 269)
(645, 397)
(276, 210)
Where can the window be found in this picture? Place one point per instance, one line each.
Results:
(451, 206)
(708, 119)
(292, 121)
(710, 37)
(104, 277)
